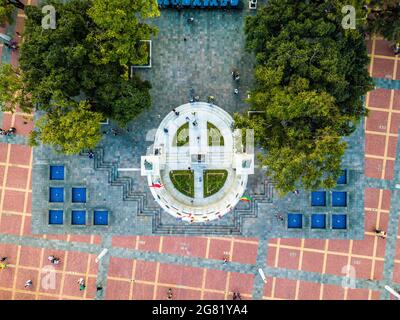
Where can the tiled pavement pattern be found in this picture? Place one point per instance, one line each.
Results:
(144, 267)
(213, 47)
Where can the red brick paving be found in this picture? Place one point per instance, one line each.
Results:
(285, 289)
(383, 48)
(216, 279)
(377, 121)
(332, 292)
(309, 290)
(335, 264)
(373, 168)
(142, 291)
(117, 290)
(240, 282)
(20, 154)
(186, 246)
(379, 98)
(182, 275)
(244, 253)
(375, 145)
(383, 68)
(14, 201)
(145, 271)
(219, 248)
(312, 262)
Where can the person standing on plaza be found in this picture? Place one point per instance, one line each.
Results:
(28, 283)
(81, 283)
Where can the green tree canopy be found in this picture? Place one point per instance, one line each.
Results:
(311, 75)
(6, 12)
(13, 93)
(383, 17)
(70, 127)
(60, 64)
(121, 29)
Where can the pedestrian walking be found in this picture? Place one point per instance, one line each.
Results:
(236, 91)
(14, 44)
(28, 283)
(165, 130)
(81, 283)
(91, 154)
(235, 75)
(3, 259)
(296, 192)
(396, 48)
(190, 20)
(18, 34)
(225, 259)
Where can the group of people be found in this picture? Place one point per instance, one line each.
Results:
(53, 260)
(8, 132)
(235, 76)
(236, 295)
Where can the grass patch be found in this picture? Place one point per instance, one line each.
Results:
(182, 136)
(183, 181)
(213, 181)
(213, 132)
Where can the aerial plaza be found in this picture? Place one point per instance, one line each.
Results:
(199, 150)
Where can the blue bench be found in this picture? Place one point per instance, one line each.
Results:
(78, 217)
(79, 195)
(339, 221)
(339, 199)
(295, 220)
(56, 217)
(56, 172)
(100, 218)
(318, 221)
(56, 194)
(318, 198)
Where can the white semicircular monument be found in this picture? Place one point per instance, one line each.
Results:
(197, 141)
